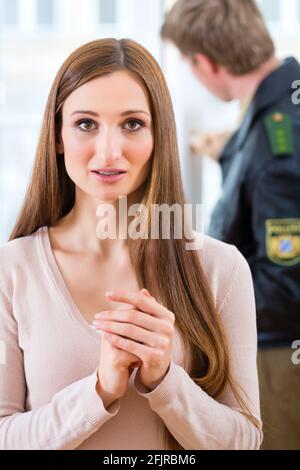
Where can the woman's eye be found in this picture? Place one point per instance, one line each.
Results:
(89, 125)
(134, 125)
(86, 125)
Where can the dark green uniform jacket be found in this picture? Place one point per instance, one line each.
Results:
(259, 210)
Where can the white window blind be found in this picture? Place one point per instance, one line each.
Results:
(107, 11)
(45, 12)
(271, 9)
(10, 10)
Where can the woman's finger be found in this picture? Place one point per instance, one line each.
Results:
(151, 357)
(146, 292)
(142, 302)
(136, 317)
(132, 332)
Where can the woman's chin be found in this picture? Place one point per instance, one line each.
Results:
(110, 198)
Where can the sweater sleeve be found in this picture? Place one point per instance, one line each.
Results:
(73, 414)
(196, 420)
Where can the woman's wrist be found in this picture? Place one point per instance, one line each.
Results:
(152, 385)
(106, 397)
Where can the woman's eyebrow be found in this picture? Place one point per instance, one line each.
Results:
(125, 113)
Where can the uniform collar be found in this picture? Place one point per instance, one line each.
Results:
(277, 84)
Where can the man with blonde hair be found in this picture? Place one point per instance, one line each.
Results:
(229, 49)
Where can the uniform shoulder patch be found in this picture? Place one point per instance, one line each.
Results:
(283, 241)
(280, 133)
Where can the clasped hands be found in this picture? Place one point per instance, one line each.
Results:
(146, 329)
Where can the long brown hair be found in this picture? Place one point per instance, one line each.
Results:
(179, 281)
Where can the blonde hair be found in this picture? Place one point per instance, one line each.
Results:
(231, 33)
(179, 281)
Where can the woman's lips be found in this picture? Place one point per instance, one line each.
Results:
(108, 178)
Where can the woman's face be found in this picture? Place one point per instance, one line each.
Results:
(106, 125)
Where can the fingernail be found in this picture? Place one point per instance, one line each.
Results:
(98, 323)
(100, 315)
(146, 292)
(96, 330)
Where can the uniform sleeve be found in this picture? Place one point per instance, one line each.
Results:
(198, 421)
(73, 414)
(275, 201)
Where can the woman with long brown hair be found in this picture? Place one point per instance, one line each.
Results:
(171, 369)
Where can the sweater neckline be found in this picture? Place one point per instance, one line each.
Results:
(60, 285)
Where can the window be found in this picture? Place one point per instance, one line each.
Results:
(298, 10)
(107, 11)
(10, 11)
(45, 12)
(270, 9)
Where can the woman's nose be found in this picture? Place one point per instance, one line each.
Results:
(109, 145)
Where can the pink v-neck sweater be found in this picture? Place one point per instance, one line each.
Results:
(49, 357)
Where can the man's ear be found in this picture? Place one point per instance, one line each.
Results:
(205, 64)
